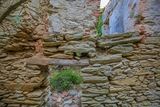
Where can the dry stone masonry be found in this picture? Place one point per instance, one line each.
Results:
(22, 83)
(120, 69)
(126, 75)
(73, 17)
(122, 72)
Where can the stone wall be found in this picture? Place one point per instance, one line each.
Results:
(23, 83)
(24, 23)
(74, 17)
(126, 76)
(119, 70)
(131, 15)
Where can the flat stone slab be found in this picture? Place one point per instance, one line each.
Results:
(95, 79)
(123, 35)
(28, 87)
(53, 44)
(108, 43)
(152, 40)
(43, 61)
(132, 81)
(37, 60)
(121, 49)
(29, 102)
(96, 91)
(106, 59)
(69, 62)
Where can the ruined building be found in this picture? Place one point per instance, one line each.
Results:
(120, 69)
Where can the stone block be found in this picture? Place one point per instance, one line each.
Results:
(90, 102)
(91, 70)
(73, 37)
(127, 81)
(116, 89)
(28, 102)
(21, 86)
(106, 59)
(152, 40)
(35, 94)
(120, 35)
(78, 49)
(136, 57)
(51, 50)
(53, 44)
(69, 62)
(109, 43)
(95, 79)
(121, 49)
(13, 105)
(61, 56)
(96, 91)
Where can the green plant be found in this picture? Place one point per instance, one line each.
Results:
(99, 24)
(65, 79)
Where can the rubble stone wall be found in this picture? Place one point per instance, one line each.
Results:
(119, 70)
(74, 17)
(23, 69)
(22, 84)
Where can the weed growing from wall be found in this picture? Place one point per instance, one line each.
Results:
(65, 79)
(99, 24)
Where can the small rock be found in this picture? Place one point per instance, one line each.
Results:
(74, 105)
(67, 105)
(123, 49)
(61, 56)
(96, 65)
(3, 55)
(53, 44)
(73, 37)
(73, 92)
(95, 79)
(127, 81)
(101, 98)
(68, 102)
(59, 99)
(158, 83)
(141, 98)
(37, 93)
(97, 91)
(13, 105)
(106, 59)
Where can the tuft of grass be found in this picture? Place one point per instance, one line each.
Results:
(65, 80)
